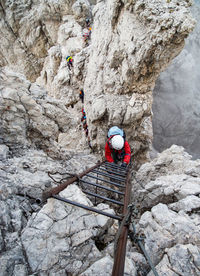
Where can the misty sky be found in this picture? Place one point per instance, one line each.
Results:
(176, 98)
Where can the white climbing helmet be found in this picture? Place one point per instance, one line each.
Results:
(117, 142)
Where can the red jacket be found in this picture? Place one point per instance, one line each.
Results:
(126, 150)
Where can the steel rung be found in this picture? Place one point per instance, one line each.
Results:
(113, 165)
(107, 181)
(124, 173)
(112, 171)
(104, 198)
(87, 207)
(102, 187)
(49, 192)
(112, 175)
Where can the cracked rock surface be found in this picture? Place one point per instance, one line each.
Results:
(29, 117)
(168, 187)
(131, 43)
(42, 140)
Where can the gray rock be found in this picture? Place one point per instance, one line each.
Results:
(187, 204)
(40, 124)
(169, 178)
(101, 267)
(4, 151)
(62, 231)
(180, 260)
(13, 262)
(164, 228)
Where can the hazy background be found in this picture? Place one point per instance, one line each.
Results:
(176, 98)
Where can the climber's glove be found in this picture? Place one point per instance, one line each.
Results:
(123, 165)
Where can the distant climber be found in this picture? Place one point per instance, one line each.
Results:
(81, 95)
(83, 115)
(87, 21)
(89, 33)
(86, 38)
(85, 127)
(86, 132)
(69, 62)
(117, 148)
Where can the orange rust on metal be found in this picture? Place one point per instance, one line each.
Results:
(64, 185)
(119, 261)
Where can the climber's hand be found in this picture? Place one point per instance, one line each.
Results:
(123, 165)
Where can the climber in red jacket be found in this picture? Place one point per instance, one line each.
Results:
(117, 149)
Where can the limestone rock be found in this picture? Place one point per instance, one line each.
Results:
(164, 228)
(29, 116)
(63, 231)
(101, 267)
(124, 57)
(166, 191)
(188, 256)
(22, 180)
(44, 20)
(4, 150)
(188, 204)
(136, 42)
(169, 178)
(98, 109)
(42, 138)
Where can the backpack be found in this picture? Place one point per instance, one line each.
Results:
(116, 131)
(68, 58)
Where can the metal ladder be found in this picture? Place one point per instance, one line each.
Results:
(107, 178)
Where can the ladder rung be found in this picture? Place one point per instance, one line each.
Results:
(104, 198)
(109, 175)
(112, 171)
(87, 207)
(107, 181)
(102, 187)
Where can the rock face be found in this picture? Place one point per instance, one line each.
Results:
(128, 51)
(41, 138)
(58, 235)
(23, 224)
(31, 29)
(31, 118)
(131, 43)
(169, 189)
(60, 239)
(176, 98)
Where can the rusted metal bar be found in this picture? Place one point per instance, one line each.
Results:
(62, 186)
(119, 260)
(107, 181)
(110, 174)
(104, 198)
(95, 200)
(87, 207)
(102, 187)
